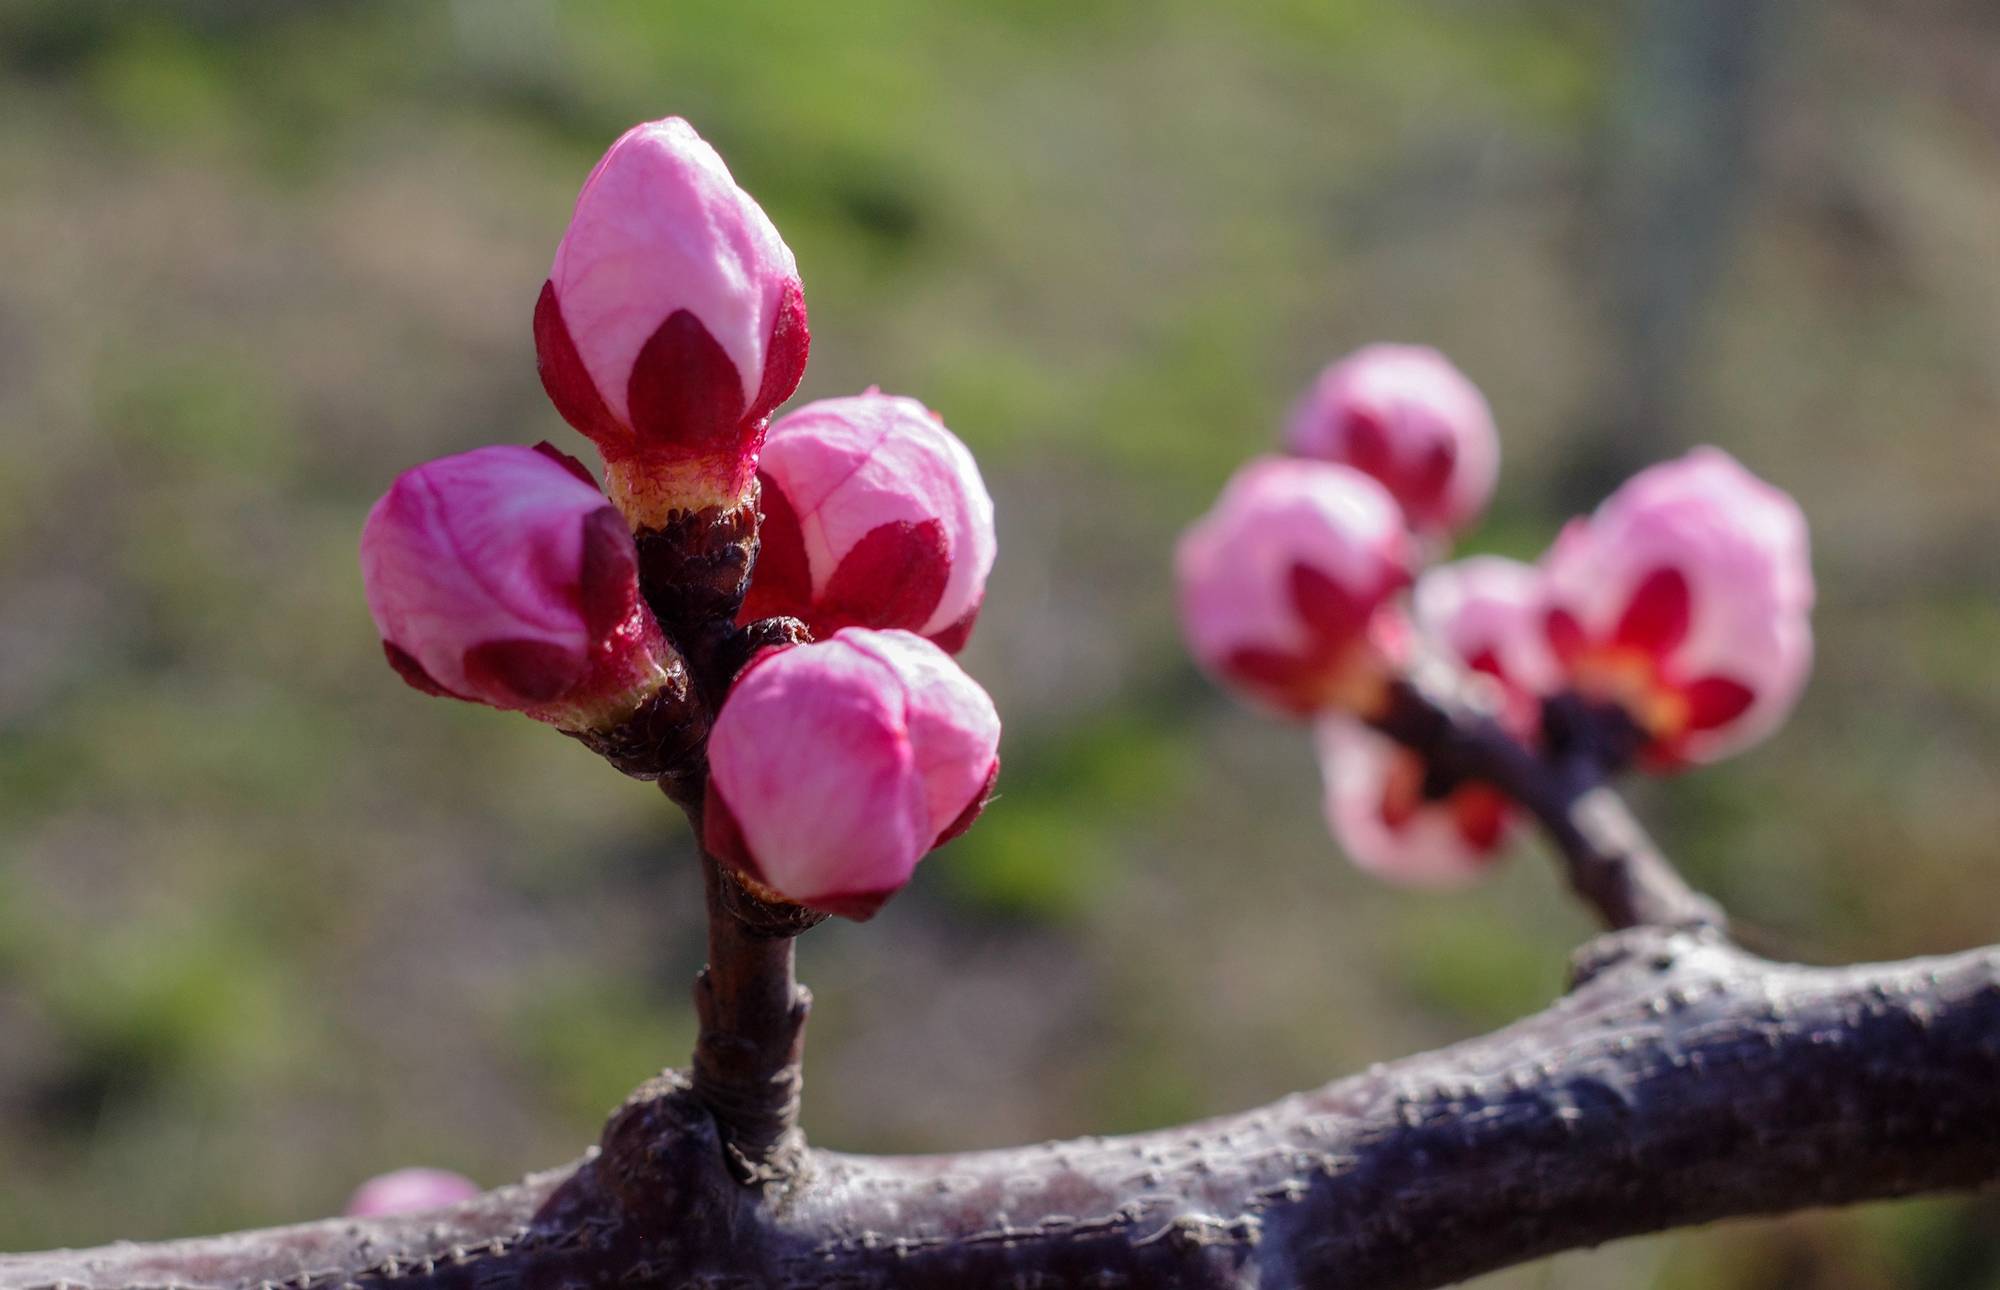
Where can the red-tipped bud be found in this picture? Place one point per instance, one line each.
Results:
(409, 1191)
(1687, 599)
(874, 516)
(1404, 415)
(834, 767)
(1285, 582)
(503, 576)
(672, 323)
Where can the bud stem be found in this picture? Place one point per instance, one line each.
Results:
(748, 1057)
(1610, 862)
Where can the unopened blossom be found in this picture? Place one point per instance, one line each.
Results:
(1382, 801)
(409, 1191)
(1384, 816)
(1686, 598)
(503, 576)
(835, 767)
(1285, 585)
(874, 516)
(1486, 613)
(1404, 415)
(672, 323)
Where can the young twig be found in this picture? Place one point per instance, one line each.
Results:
(1610, 862)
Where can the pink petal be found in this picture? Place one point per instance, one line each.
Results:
(522, 671)
(1376, 812)
(502, 576)
(953, 639)
(1708, 569)
(784, 354)
(567, 462)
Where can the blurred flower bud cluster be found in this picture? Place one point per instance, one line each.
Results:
(1681, 608)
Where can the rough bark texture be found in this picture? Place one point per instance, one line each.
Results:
(1681, 1080)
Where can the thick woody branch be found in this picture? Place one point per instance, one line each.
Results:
(1610, 862)
(1680, 1081)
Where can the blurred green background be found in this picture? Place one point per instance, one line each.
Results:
(271, 922)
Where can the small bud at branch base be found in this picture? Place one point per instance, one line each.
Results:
(409, 1191)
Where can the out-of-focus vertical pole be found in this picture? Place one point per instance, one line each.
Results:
(1675, 160)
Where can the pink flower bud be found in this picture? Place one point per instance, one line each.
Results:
(409, 1191)
(1382, 818)
(672, 323)
(503, 576)
(834, 767)
(1405, 415)
(874, 516)
(1281, 584)
(1486, 613)
(1686, 598)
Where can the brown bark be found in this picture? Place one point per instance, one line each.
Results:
(1681, 1080)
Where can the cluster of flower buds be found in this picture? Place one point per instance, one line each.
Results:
(672, 325)
(1679, 612)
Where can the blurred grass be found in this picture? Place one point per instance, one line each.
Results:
(260, 905)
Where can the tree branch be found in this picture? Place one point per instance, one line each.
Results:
(1681, 1080)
